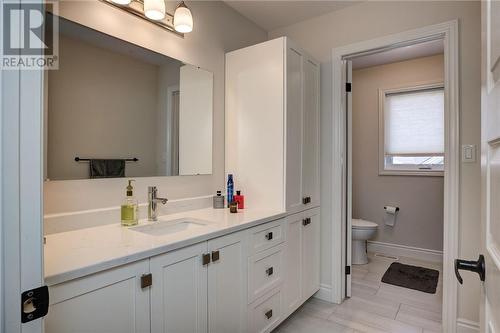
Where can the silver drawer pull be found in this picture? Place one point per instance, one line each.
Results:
(269, 271)
(269, 314)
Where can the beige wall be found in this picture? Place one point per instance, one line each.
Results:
(420, 220)
(217, 29)
(375, 19)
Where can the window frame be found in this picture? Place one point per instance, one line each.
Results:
(412, 171)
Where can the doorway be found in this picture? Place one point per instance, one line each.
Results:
(447, 33)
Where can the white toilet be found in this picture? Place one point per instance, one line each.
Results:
(361, 232)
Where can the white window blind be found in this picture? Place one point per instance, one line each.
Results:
(414, 123)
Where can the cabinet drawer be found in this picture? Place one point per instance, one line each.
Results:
(266, 236)
(265, 313)
(265, 272)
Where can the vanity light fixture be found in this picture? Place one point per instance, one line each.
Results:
(154, 11)
(183, 19)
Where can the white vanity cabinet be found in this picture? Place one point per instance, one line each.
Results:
(246, 281)
(272, 125)
(302, 258)
(227, 280)
(109, 301)
(196, 289)
(302, 129)
(201, 288)
(179, 290)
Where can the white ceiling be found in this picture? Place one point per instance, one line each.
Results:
(270, 15)
(399, 54)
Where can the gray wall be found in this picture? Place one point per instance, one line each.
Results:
(86, 96)
(420, 221)
(371, 19)
(217, 30)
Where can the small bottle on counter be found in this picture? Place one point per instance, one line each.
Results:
(240, 199)
(233, 207)
(218, 200)
(230, 189)
(129, 208)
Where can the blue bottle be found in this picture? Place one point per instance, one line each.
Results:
(230, 189)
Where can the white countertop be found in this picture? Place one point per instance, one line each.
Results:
(73, 254)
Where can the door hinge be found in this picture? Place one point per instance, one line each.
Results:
(146, 280)
(347, 270)
(348, 87)
(205, 259)
(34, 304)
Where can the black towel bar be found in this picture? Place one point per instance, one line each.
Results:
(78, 159)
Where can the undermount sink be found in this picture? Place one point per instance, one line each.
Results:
(161, 228)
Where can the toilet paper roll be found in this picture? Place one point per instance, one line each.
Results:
(390, 216)
(391, 209)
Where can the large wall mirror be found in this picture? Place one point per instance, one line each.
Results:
(115, 109)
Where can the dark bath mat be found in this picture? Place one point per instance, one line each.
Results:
(413, 277)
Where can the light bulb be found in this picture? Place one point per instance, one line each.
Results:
(122, 2)
(183, 20)
(154, 9)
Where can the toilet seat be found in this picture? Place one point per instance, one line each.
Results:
(363, 224)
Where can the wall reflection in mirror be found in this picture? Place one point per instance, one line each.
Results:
(112, 100)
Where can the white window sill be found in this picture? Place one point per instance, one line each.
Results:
(421, 173)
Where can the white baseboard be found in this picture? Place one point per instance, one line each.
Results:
(467, 326)
(324, 293)
(405, 251)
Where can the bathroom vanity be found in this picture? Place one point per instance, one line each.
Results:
(193, 270)
(197, 271)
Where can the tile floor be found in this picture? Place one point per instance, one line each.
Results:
(374, 306)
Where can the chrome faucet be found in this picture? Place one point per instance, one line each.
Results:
(153, 203)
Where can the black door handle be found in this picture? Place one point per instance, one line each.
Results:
(470, 265)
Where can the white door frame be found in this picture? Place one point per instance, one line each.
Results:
(448, 31)
(21, 178)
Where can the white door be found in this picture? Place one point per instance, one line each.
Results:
(179, 291)
(310, 252)
(293, 130)
(227, 284)
(310, 142)
(111, 301)
(293, 263)
(21, 183)
(348, 175)
(490, 166)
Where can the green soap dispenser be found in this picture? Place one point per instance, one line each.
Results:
(130, 206)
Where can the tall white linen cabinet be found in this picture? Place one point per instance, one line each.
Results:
(272, 149)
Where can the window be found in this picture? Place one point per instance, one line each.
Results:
(412, 130)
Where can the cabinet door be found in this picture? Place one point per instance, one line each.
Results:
(227, 284)
(311, 139)
(109, 301)
(293, 263)
(179, 291)
(310, 253)
(293, 130)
